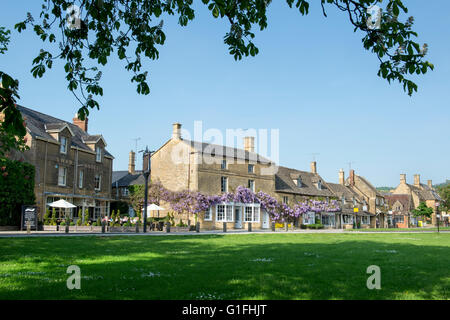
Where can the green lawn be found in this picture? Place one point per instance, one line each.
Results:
(253, 266)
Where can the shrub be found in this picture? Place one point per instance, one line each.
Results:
(16, 189)
(303, 226)
(47, 217)
(99, 222)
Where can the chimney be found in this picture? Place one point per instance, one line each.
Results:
(313, 167)
(417, 180)
(82, 124)
(352, 177)
(403, 178)
(430, 184)
(176, 134)
(249, 144)
(132, 163)
(342, 177)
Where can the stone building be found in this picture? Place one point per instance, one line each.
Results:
(419, 192)
(213, 169)
(374, 200)
(354, 209)
(121, 182)
(70, 163)
(401, 205)
(293, 186)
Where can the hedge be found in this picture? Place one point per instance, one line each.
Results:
(16, 189)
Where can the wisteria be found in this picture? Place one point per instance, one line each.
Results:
(195, 203)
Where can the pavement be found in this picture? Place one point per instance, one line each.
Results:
(34, 234)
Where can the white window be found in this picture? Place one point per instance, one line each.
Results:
(80, 179)
(343, 199)
(224, 184)
(328, 219)
(63, 146)
(309, 218)
(98, 154)
(224, 213)
(224, 164)
(208, 214)
(251, 168)
(319, 185)
(365, 220)
(220, 212)
(125, 192)
(62, 176)
(354, 202)
(251, 214)
(251, 185)
(286, 200)
(347, 219)
(98, 181)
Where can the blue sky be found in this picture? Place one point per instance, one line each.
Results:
(312, 80)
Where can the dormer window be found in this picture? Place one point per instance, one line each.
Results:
(299, 182)
(63, 146)
(354, 202)
(98, 154)
(343, 199)
(319, 185)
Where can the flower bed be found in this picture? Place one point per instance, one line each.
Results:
(73, 228)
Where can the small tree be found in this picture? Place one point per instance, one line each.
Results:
(47, 217)
(423, 211)
(53, 220)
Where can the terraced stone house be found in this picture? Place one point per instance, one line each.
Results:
(71, 163)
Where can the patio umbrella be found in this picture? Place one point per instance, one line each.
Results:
(62, 204)
(153, 207)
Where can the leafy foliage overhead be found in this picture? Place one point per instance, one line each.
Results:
(85, 33)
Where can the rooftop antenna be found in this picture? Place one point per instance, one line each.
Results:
(350, 165)
(136, 146)
(314, 156)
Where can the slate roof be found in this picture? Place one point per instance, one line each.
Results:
(210, 149)
(126, 179)
(425, 192)
(38, 123)
(284, 183)
(404, 199)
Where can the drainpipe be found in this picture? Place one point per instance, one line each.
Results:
(44, 200)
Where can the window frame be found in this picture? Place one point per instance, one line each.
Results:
(81, 179)
(252, 185)
(251, 168)
(224, 164)
(63, 145)
(308, 216)
(222, 181)
(98, 154)
(208, 214)
(64, 184)
(99, 182)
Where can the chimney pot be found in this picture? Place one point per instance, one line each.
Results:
(352, 177)
(132, 163)
(403, 178)
(417, 180)
(313, 167)
(82, 124)
(249, 144)
(430, 184)
(176, 134)
(341, 177)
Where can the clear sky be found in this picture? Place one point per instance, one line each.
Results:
(312, 80)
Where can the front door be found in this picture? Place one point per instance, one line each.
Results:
(265, 220)
(238, 217)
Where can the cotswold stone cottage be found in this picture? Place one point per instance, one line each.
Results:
(70, 163)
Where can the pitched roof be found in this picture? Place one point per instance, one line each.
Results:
(424, 192)
(126, 179)
(284, 183)
(224, 151)
(404, 199)
(38, 123)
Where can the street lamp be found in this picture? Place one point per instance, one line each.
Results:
(147, 164)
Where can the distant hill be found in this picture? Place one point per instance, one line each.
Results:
(385, 189)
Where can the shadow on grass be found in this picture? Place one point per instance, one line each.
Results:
(227, 267)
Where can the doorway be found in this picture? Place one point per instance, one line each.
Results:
(238, 217)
